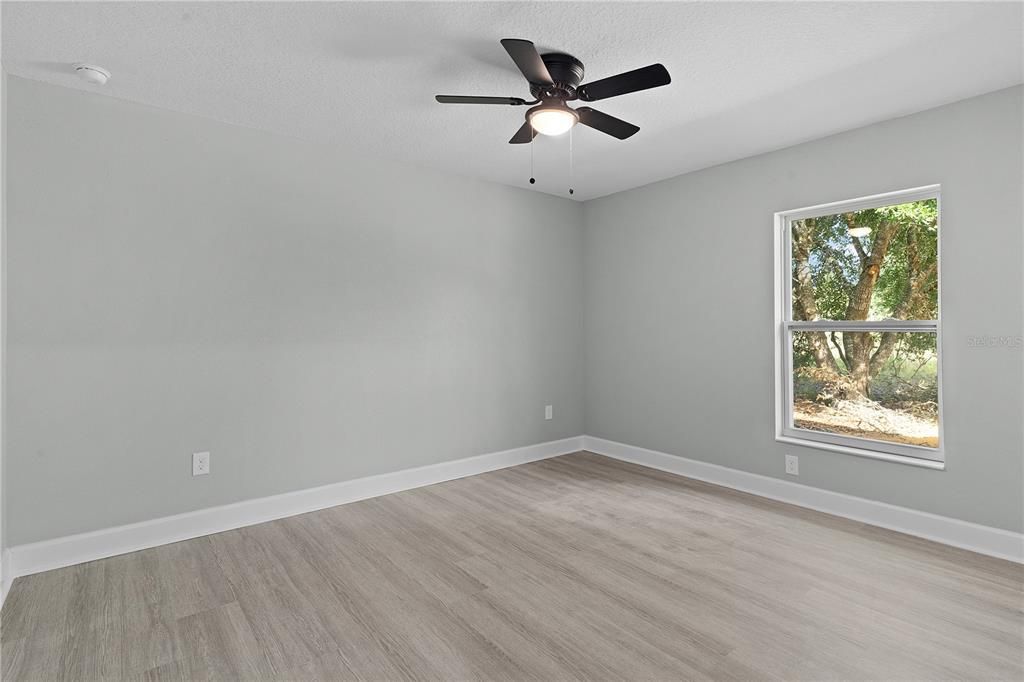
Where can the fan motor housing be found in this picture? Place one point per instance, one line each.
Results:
(566, 72)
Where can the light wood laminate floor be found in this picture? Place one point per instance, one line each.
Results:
(574, 567)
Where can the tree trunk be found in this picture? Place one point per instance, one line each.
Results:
(804, 306)
(858, 358)
(858, 345)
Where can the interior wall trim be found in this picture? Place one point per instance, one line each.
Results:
(46, 555)
(996, 542)
(75, 549)
(5, 575)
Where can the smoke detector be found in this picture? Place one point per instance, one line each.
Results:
(91, 73)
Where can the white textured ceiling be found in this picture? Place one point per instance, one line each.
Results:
(747, 77)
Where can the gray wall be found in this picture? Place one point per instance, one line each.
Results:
(3, 326)
(679, 295)
(178, 285)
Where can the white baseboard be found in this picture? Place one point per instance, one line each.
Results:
(75, 549)
(49, 554)
(972, 536)
(6, 578)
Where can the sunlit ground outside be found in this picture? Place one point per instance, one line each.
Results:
(902, 401)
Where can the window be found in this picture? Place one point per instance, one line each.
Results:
(857, 317)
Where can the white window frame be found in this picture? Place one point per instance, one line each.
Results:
(785, 325)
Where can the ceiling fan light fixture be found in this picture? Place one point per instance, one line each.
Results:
(552, 120)
(554, 79)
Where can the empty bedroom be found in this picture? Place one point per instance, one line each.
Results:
(512, 341)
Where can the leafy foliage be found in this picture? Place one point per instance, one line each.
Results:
(908, 233)
(874, 264)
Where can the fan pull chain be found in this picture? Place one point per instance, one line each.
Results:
(533, 137)
(570, 162)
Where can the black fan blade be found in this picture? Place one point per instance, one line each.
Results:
(468, 99)
(526, 57)
(523, 135)
(651, 76)
(615, 127)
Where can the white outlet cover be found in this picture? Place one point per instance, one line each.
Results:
(200, 463)
(792, 465)
(549, 412)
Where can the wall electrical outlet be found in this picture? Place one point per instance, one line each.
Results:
(200, 463)
(549, 412)
(792, 465)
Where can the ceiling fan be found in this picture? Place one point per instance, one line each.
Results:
(554, 80)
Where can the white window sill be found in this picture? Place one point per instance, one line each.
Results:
(860, 452)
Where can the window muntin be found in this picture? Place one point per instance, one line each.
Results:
(858, 344)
